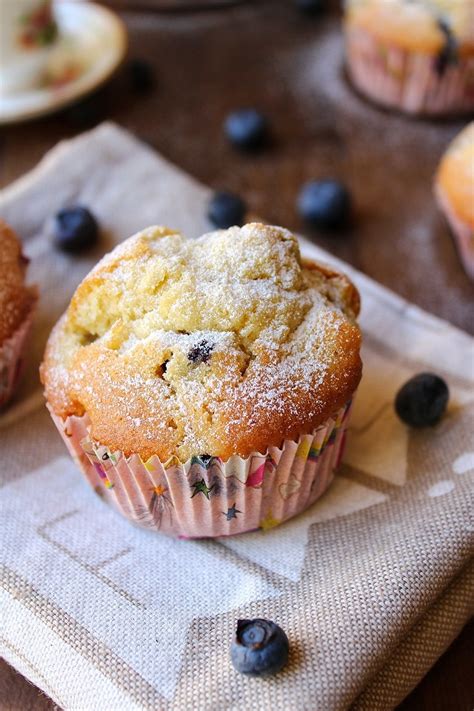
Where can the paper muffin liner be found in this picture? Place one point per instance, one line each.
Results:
(206, 496)
(11, 360)
(463, 232)
(408, 80)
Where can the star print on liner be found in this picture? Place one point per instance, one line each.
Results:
(269, 522)
(159, 506)
(200, 487)
(254, 486)
(231, 513)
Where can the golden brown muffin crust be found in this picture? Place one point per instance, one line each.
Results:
(16, 299)
(456, 175)
(222, 345)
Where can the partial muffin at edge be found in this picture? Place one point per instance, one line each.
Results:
(455, 176)
(222, 345)
(414, 25)
(16, 299)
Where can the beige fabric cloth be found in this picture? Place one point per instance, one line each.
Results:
(371, 584)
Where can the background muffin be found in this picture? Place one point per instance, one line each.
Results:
(454, 189)
(203, 354)
(414, 55)
(16, 306)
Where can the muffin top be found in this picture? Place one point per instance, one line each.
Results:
(417, 25)
(16, 299)
(456, 174)
(222, 345)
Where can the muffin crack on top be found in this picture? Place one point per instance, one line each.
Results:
(223, 345)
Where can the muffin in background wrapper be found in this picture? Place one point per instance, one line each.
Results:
(454, 189)
(17, 303)
(414, 56)
(204, 386)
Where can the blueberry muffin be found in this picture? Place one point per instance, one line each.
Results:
(413, 55)
(17, 302)
(205, 358)
(454, 187)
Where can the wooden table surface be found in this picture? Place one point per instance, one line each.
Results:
(269, 56)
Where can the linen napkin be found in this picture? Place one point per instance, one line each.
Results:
(371, 584)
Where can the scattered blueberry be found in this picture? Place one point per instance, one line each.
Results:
(88, 111)
(142, 75)
(325, 204)
(422, 401)
(200, 352)
(76, 229)
(246, 128)
(226, 209)
(311, 7)
(260, 647)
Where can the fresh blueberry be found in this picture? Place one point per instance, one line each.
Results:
(76, 229)
(260, 647)
(325, 204)
(200, 352)
(142, 75)
(226, 209)
(311, 7)
(246, 128)
(422, 401)
(88, 111)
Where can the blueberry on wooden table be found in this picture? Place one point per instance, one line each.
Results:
(246, 129)
(76, 229)
(260, 647)
(311, 7)
(226, 209)
(422, 401)
(141, 75)
(325, 204)
(88, 111)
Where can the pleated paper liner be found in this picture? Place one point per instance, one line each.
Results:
(407, 80)
(207, 497)
(11, 358)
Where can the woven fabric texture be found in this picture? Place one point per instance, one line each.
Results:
(371, 584)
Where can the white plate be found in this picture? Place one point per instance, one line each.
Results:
(93, 42)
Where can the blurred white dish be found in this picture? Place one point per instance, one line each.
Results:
(28, 34)
(92, 43)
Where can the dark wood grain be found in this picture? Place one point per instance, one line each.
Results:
(267, 55)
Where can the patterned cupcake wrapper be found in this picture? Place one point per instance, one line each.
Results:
(406, 80)
(11, 361)
(462, 231)
(207, 497)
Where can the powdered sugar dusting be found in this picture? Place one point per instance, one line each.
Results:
(219, 345)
